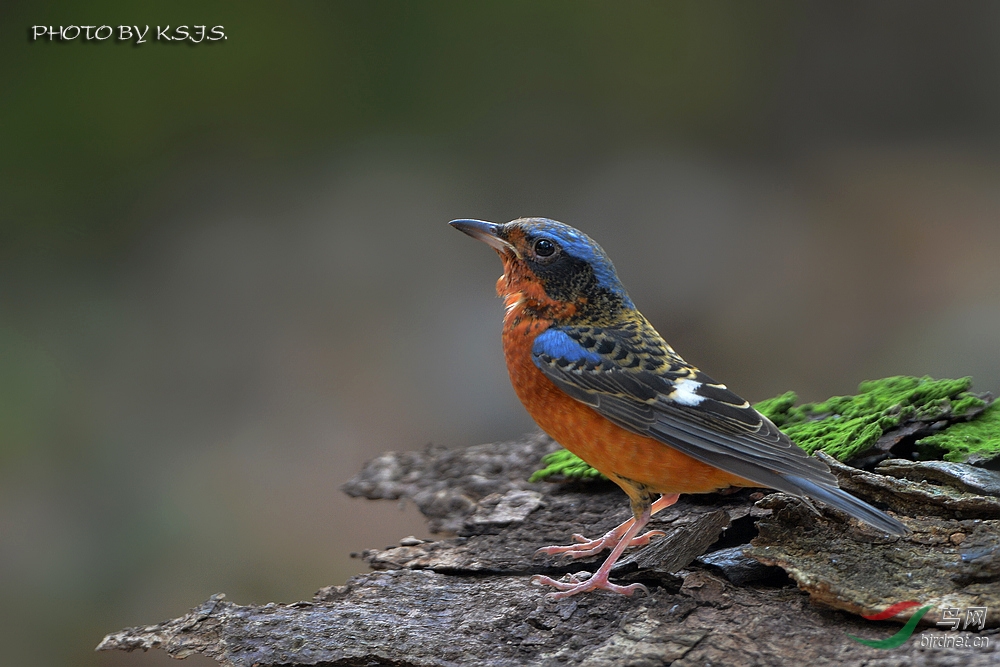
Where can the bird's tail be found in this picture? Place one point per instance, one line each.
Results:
(842, 500)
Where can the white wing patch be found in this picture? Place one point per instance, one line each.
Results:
(685, 393)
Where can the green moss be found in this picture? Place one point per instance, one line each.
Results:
(963, 405)
(970, 441)
(776, 409)
(567, 464)
(845, 426)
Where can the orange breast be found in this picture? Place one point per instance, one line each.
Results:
(605, 446)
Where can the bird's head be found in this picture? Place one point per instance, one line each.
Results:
(555, 270)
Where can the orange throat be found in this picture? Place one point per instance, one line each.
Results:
(524, 297)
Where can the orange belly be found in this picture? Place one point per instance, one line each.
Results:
(609, 448)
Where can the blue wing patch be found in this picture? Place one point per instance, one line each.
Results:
(557, 344)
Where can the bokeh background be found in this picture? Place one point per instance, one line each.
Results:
(226, 278)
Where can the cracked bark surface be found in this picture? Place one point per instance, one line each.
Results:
(715, 597)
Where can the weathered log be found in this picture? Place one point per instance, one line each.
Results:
(466, 599)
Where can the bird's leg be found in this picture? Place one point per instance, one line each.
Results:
(599, 580)
(587, 547)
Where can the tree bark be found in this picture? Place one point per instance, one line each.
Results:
(722, 580)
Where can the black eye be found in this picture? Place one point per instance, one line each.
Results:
(544, 248)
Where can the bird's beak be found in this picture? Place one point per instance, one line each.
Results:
(487, 232)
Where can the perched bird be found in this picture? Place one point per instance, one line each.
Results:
(597, 377)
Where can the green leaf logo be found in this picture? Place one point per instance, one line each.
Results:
(904, 633)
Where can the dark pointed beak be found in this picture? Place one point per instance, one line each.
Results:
(487, 232)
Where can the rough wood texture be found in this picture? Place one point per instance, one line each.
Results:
(409, 618)
(466, 599)
(950, 560)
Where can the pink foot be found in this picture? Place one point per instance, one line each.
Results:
(590, 547)
(574, 586)
(625, 535)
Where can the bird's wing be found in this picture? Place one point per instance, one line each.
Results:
(629, 375)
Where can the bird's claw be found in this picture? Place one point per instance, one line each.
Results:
(646, 537)
(585, 547)
(575, 585)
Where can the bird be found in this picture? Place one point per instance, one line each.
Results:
(597, 377)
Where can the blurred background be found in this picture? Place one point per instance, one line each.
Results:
(226, 277)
